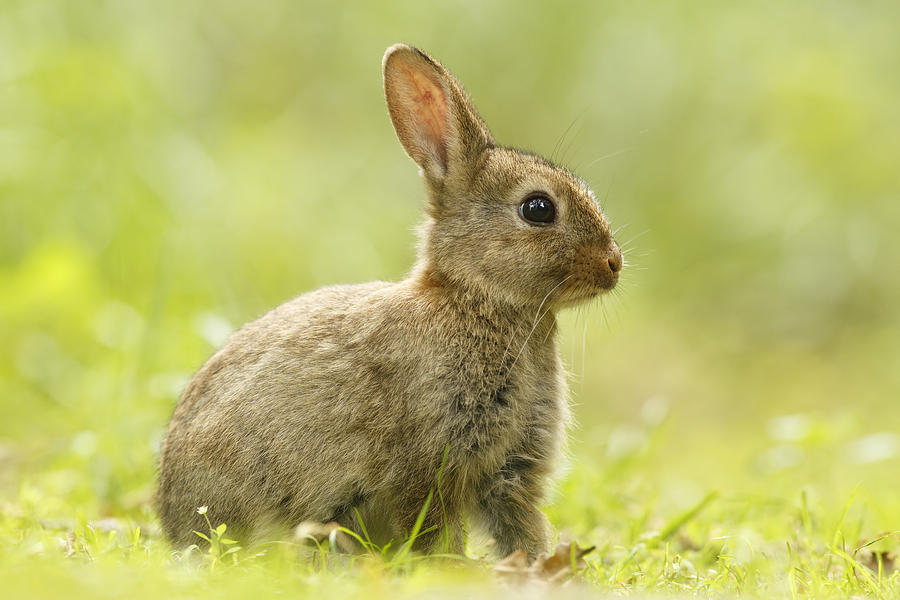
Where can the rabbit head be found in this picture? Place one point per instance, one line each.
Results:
(505, 223)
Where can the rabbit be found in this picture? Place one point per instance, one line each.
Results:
(352, 402)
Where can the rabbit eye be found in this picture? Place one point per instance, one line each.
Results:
(538, 209)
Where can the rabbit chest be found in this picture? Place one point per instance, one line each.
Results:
(490, 386)
(505, 396)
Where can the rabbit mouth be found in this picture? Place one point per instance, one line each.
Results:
(585, 289)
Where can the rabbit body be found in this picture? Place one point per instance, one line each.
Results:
(274, 440)
(341, 404)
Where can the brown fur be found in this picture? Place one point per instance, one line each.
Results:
(345, 398)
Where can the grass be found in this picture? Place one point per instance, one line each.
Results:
(726, 543)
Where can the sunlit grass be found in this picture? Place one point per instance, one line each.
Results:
(762, 528)
(731, 543)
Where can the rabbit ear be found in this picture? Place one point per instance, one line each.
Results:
(434, 119)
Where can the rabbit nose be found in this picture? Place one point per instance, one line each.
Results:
(615, 259)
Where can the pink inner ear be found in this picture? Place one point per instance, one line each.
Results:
(429, 103)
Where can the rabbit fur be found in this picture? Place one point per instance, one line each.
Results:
(341, 403)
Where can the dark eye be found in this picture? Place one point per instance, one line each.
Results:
(538, 209)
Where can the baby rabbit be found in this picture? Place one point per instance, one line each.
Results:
(346, 398)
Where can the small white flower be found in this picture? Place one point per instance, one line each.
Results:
(202, 510)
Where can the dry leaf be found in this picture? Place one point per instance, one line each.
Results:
(871, 558)
(868, 554)
(554, 567)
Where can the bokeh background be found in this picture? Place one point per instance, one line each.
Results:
(170, 170)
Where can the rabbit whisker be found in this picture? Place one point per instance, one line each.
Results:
(609, 155)
(537, 319)
(508, 345)
(558, 146)
(583, 347)
(621, 227)
(637, 237)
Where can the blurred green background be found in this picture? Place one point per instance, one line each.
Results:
(170, 170)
